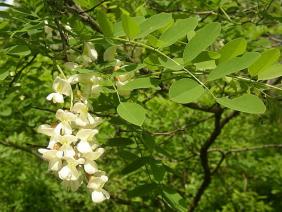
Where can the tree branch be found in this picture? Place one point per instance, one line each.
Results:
(18, 74)
(218, 126)
(94, 7)
(84, 17)
(18, 147)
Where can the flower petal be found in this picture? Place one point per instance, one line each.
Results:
(90, 167)
(86, 134)
(46, 129)
(62, 86)
(84, 147)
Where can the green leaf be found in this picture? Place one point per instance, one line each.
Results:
(20, 50)
(177, 31)
(118, 29)
(205, 65)
(127, 155)
(4, 72)
(232, 49)
(154, 23)
(132, 112)
(5, 111)
(158, 170)
(271, 72)
(202, 40)
(185, 91)
(247, 103)
(105, 24)
(110, 54)
(119, 142)
(130, 26)
(148, 141)
(145, 82)
(266, 59)
(174, 199)
(143, 190)
(170, 64)
(135, 165)
(234, 65)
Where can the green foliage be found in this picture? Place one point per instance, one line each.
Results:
(201, 41)
(247, 103)
(234, 65)
(185, 91)
(169, 70)
(132, 112)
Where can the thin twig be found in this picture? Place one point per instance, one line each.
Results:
(94, 7)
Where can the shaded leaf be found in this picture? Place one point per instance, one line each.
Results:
(143, 190)
(135, 165)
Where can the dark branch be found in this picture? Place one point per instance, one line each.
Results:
(18, 74)
(94, 7)
(213, 109)
(218, 126)
(63, 38)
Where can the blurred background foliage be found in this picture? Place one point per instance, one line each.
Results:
(248, 180)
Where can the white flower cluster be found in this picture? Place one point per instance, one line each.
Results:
(73, 149)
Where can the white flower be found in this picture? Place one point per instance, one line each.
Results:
(86, 134)
(66, 147)
(90, 51)
(99, 195)
(70, 66)
(54, 157)
(66, 118)
(61, 87)
(55, 97)
(84, 118)
(46, 129)
(69, 171)
(72, 185)
(50, 131)
(90, 165)
(97, 181)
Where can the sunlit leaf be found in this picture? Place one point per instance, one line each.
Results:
(185, 91)
(154, 23)
(177, 31)
(247, 103)
(232, 49)
(201, 41)
(104, 23)
(132, 112)
(271, 72)
(234, 65)
(266, 59)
